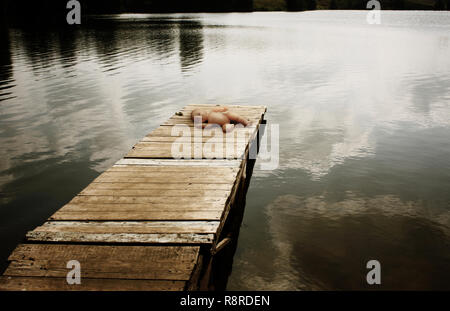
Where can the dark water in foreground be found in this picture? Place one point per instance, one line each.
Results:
(364, 114)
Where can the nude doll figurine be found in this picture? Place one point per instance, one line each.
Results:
(220, 116)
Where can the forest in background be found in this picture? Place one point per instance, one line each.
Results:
(295, 5)
(54, 11)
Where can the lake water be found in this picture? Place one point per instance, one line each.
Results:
(363, 110)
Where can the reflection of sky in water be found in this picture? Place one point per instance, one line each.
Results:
(363, 111)
(332, 241)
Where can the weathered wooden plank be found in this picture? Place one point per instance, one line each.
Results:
(137, 215)
(130, 227)
(192, 205)
(252, 116)
(66, 251)
(180, 162)
(214, 145)
(189, 139)
(185, 154)
(144, 168)
(186, 131)
(208, 152)
(193, 150)
(105, 262)
(145, 200)
(102, 207)
(186, 175)
(193, 180)
(161, 192)
(145, 238)
(147, 186)
(9, 283)
(193, 283)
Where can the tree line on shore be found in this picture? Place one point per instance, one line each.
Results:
(300, 5)
(55, 10)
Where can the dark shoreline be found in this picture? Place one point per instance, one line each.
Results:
(55, 11)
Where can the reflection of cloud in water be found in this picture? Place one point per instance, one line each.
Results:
(67, 106)
(285, 278)
(330, 132)
(321, 245)
(318, 161)
(386, 205)
(334, 102)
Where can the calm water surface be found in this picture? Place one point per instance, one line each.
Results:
(364, 114)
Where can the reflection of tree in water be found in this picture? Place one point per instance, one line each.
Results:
(39, 47)
(191, 44)
(103, 36)
(116, 41)
(5, 54)
(5, 63)
(45, 48)
(68, 47)
(160, 36)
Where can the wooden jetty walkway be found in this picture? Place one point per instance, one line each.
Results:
(150, 222)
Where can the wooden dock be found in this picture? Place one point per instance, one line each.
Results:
(153, 221)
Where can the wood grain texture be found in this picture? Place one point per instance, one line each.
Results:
(213, 145)
(145, 199)
(137, 215)
(104, 262)
(181, 162)
(189, 139)
(130, 227)
(171, 169)
(168, 153)
(102, 207)
(159, 192)
(190, 131)
(12, 283)
(135, 238)
(173, 180)
(160, 186)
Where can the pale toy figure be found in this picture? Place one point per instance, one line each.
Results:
(220, 116)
